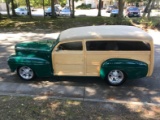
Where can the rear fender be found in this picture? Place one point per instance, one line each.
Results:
(133, 69)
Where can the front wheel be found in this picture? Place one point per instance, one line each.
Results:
(115, 77)
(26, 73)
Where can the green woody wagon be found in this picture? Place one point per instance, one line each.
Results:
(113, 52)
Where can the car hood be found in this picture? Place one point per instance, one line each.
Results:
(43, 45)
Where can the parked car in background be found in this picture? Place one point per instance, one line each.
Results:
(132, 12)
(58, 6)
(48, 11)
(110, 8)
(65, 12)
(113, 52)
(21, 11)
(114, 13)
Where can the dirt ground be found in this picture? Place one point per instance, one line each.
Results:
(41, 108)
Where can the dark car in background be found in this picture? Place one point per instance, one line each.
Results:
(132, 12)
(48, 11)
(110, 8)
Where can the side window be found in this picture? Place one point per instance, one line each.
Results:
(133, 46)
(117, 45)
(101, 45)
(70, 46)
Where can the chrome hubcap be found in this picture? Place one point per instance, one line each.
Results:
(26, 73)
(115, 76)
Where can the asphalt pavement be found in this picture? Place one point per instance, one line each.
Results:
(144, 90)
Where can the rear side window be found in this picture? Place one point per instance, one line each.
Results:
(117, 45)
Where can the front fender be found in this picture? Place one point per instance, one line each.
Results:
(132, 68)
(41, 67)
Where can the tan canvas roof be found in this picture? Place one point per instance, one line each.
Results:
(103, 32)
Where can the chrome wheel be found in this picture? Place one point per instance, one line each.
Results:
(26, 73)
(116, 77)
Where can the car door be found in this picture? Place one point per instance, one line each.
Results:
(98, 51)
(68, 59)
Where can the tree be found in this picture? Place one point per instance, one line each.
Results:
(120, 6)
(149, 11)
(146, 8)
(13, 11)
(29, 8)
(0, 16)
(53, 10)
(99, 7)
(43, 8)
(8, 11)
(72, 10)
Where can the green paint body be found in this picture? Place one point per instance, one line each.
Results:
(36, 55)
(133, 69)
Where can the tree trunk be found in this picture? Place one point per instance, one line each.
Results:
(149, 11)
(8, 11)
(99, 7)
(120, 6)
(70, 7)
(43, 9)
(146, 9)
(0, 16)
(13, 11)
(29, 8)
(52, 9)
(72, 11)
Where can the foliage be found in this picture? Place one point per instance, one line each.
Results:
(152, 22)
(39, 3)
(62, 2)
(84, 6)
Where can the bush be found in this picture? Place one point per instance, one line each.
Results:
(84, 6)
(147, 23)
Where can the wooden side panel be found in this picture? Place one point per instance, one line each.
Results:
(68, 63)
(96, 58)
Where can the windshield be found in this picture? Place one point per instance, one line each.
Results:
(115, 10)
(133, 8)
(49, 9)
(66, 10)
(20, 9)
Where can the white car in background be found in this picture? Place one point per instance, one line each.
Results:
(58, 6)
(21, 11)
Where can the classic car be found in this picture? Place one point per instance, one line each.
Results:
(132, 12)
(113, 52)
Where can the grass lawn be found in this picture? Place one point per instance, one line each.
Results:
(61, 23)
(23, 23)
(41, 108)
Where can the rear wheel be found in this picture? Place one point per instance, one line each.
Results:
(26, 73)
(115, 77)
